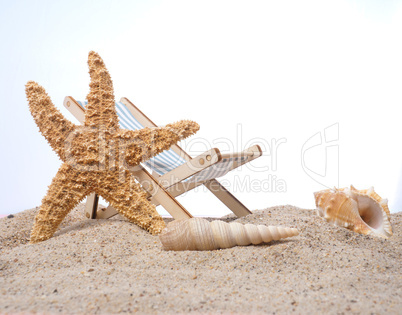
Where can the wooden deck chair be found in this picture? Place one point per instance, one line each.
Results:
(174, 172)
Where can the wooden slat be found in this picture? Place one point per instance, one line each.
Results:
(106, 213)
(91, 206)
(192, 167)
(252, 153)
(147, 122)
(227, 198)
(159, 193)
(71, 104)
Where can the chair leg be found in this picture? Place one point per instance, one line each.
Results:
(91, 206)
(227, 198)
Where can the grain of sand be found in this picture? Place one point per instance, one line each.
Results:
(112, 266)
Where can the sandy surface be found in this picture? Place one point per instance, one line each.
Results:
(112, 266)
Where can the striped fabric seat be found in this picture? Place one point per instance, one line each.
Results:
(168, 160)
(215, 171)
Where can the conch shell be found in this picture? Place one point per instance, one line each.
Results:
(362, 211)
(200, 234)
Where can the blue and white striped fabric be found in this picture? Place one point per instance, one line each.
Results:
(168, 160)
(217, 170)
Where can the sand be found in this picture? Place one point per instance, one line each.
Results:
(112, 266)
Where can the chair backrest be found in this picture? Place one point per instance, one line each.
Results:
(164, 162)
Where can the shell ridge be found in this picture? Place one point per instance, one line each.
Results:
(200, 234)
(362, 211)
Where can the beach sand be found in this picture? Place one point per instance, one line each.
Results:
(112, 266)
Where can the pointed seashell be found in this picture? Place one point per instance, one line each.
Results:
(362, 211)
(200, 234)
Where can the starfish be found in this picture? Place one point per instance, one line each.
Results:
(97, 156)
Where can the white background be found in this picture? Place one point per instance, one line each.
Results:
(291, 72)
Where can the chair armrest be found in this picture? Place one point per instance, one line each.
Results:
(190, 168)
(251, 153)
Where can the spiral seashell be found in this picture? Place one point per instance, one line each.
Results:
(200, 234)
(362, 211)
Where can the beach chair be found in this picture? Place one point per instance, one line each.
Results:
(174, 172)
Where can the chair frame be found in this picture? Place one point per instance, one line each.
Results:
(163, 189)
